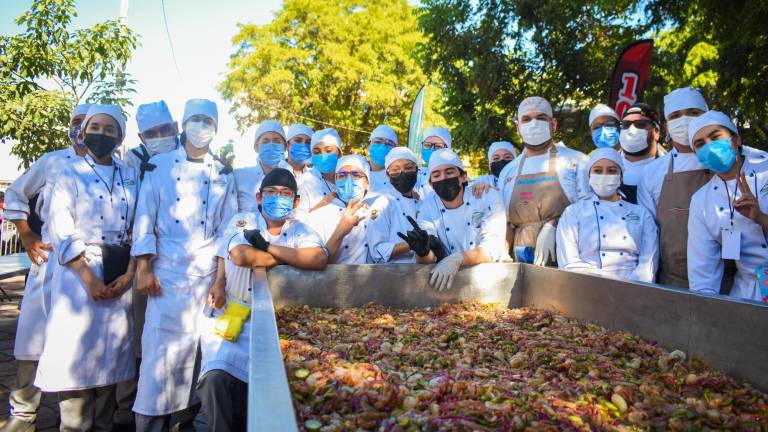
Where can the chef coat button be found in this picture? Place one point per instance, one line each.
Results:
(102, 217)
(471, 243)
(68, 156)
(209, 165)
(103, 238)
(96, 181)
(468, 224)
(324, 194)
(602, 217)
(206, 182)
(442, 210)
(715, 187)
(447, 229)
(101, 197)
(403, 213)
(119, 236)
(603, 254)
(249, 289)
(751, 174)
(621, 205)
(122, 217)
(674, 154)
(765, 246)
(177, 161)
(285, 234)
(621, 253)
(346, 246)
(123, 199)
(603, 235)
(202, 222)
(623, 218)
(178, 178)
(467, 204)
(597, 203)
(397, 199)
(624, 238)
(178, 199)
(177, 221)
(203, 202)
(118, 184)
(366, 245)
(451, 247)
(722, 209)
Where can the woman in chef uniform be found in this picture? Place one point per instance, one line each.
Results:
(727, 219)
(604, 234)
(500, 154)
(89, 343)
(270, 144)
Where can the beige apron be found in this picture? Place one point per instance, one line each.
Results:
(536, 199)
(672, 217)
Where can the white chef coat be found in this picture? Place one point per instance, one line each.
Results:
(480, 222)
(219, 353)
(354, 246)
(88, 343)
(488, 179)
(571, 170)
(710, 213)
(382, 232)
(652, 178)
(632, 171)
(379, 181)
(248, 182)
(37, 180)
(181, 213)
(313, 188)
(616, 239)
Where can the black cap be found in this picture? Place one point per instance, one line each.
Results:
(643, 109)
(280, 177)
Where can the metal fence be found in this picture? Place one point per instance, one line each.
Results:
(10, 242)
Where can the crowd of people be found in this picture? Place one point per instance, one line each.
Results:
(136, 310)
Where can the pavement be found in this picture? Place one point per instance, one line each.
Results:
(9, 315)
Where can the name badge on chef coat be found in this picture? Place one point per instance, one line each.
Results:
(731, 243)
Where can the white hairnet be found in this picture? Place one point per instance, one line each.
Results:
(440, 132)
(200, 106)
(327, 136)
(113, 111)
(298, 129)
(81, 109)
(152, 114)
(534, 104)
(601, 110)
(683, 98)
(605, 153)
(501, 145)
(356, 161)
(384, 132)
(707, 119)
(444, 157)
(398, 153)
(269, 126)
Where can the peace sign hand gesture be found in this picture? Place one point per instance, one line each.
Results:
(747, 204)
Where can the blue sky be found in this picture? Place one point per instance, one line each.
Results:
(201, 32)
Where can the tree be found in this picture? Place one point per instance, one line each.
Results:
(349, 63)
(47, 69)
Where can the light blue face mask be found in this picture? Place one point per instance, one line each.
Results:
(271, 153)
(426, 154)
(350, 189)
(300, 152)
(277, 207)
(718, 156)
(378, 153)
(325, 163)
(605, 136)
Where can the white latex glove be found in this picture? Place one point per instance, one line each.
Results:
(445, 270)
(545, 245)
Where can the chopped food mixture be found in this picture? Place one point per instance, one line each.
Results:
(478, 367)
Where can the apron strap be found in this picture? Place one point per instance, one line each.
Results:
(553, 158)
(671, 168)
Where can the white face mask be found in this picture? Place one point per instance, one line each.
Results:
(604, 185)
(199, 134)
(633, 140)
(535, 132)
(160, 145)
(678, 130)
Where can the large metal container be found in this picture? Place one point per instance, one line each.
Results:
(730, 335)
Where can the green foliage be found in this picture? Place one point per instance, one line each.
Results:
(349, 63)
(47, 69)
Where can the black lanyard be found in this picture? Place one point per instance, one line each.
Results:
(110, 187)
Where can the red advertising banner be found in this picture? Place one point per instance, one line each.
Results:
(630, 75)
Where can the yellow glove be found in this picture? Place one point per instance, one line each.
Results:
(230, 323)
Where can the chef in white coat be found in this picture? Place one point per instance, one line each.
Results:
(182, 210)
(540, 183)
(317, 187)
(262, 238)
(158, 133)
(639, 139)
(727, 219)
(342, 223)
(383, 139)
(89, 336)
(398, 201)
(29, 195)
(270, 145)
(605, 234)
(669, 182)
(299, 137)
(470, 230)
(500, 154)
(604, 127)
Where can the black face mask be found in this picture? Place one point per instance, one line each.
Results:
(405, 181)
(100, 145)
(498, 165)
(447, 189)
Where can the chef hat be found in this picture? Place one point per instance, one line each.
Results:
(398, 153)
(501, 145)
(683, 98)
(709, 118)
(384, 132)
(269, 126)
(601, 110)
(534, 104)
(444, 157)
(298, 129)
(201, 106)
(440, 132)
(152, 114)
(79, 110)
(327, 136)
(356, 161)
(605, 153)
(113, 111)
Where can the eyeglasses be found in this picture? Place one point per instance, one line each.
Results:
(433, 145)
(356, 175)
(640, 124)
(285, 193)
(397, 172)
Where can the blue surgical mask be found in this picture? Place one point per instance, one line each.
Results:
(606, 136)
(350, 189)
(426, 154)
(325, 163)
(277, 207)
(718, 156)
(378, 153)
(300, 152)
(271, 153)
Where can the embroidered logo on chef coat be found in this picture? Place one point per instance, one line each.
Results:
(764, 190)
(241, 223)
(374, 214)
(477, 218)
(129, 183)
(632, 216)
